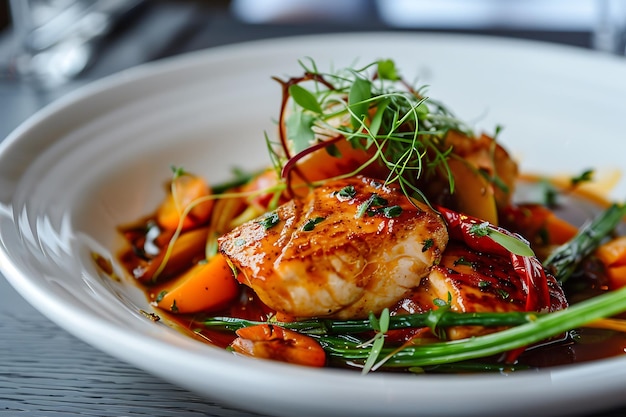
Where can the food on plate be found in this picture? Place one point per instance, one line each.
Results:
(384, 234)
(348, 248)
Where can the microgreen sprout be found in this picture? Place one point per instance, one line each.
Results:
(374, 109)
(516, 245)
(381, 326)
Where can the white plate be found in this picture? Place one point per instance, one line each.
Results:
(99, 157)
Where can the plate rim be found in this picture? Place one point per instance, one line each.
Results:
(63, 315)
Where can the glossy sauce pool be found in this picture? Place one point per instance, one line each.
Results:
(576, 346)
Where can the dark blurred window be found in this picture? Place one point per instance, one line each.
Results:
(4, 14)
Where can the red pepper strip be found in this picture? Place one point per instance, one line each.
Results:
(528, 268)
(532, 273)
(459, 228)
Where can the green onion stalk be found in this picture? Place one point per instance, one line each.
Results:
(523, 328)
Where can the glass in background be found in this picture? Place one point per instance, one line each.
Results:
(56, 38)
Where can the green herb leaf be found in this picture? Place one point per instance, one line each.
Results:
(374, 201)
(377, 119)
(480, 229)
(177, 171)
(333, 150)
(391, 212)
(360, 92)
(462, 261)
(311, 223)
(510, 243)
(305, 99)
(428, 243)
(300, 130)
(585, 176)
(270, 220)
(347, 192)
(434, 317)
(381, 326)
(160, 296)
(387, 70)
(503, 293)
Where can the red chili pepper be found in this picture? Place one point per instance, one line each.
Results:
(460, 228)
(528, 268)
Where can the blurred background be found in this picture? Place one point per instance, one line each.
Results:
(128, 32)
(50, 47)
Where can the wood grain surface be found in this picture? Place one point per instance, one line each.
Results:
(45, 371)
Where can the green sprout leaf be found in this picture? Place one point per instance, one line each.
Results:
(300, 130)
(360, 93)
(348, 192)
(177, 172)
(311, 223)
(305, 99)
(381, 326)
(387, 70)
(270, 220)
(510, 243)
(585, 176)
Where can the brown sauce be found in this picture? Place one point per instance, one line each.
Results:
(577, 346)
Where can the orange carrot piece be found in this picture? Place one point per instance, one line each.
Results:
(186, 190)
(186, 248)
(206, 286)
(613, 253)
(559, 231)
(617, 276)
(267, 341)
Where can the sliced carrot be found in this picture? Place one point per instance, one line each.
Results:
(617, 276)
(613, 253)
(558, 230)
(187, 247)
(267, 341)
(185, 190)
(206, 286)
(539, 224)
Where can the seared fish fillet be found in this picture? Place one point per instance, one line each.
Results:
(476, 282)
(349, 248)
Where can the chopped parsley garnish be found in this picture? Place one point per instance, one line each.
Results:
(585, 176)
(462, 261)
(311, 223)
(370, 204)
(504, 294)
(160, 296)
(480, 229)
(270, 220)
(428, 243)
(347, 192)
(391, 212)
